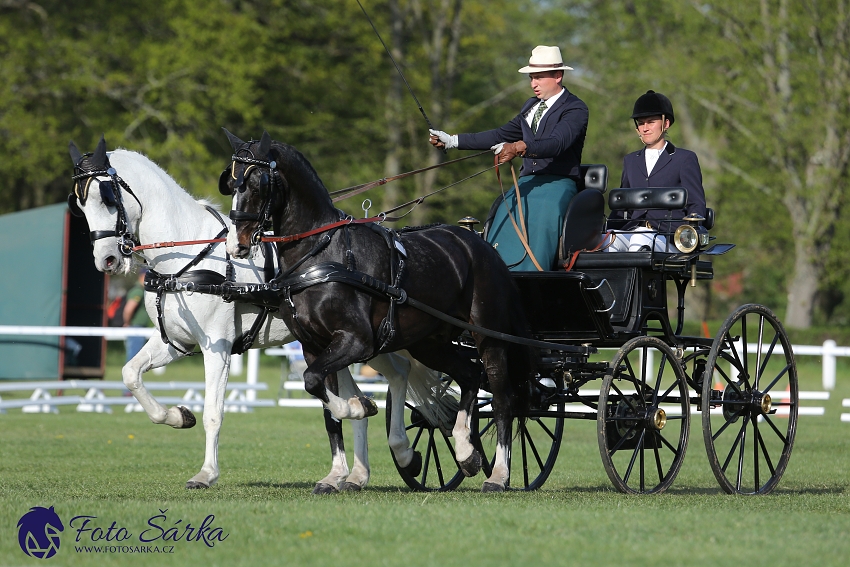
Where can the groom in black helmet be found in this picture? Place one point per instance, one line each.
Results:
(658, 164)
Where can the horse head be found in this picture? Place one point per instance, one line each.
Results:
(257, 188)
(97, 195)
(273, 187)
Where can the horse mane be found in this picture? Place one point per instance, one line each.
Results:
(165, 177)
(293, 161)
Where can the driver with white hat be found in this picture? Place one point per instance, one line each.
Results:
(548, 134)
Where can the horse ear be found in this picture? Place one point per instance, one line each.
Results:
(76, 155)
(234, 141)
(99, 157)
(265, 144)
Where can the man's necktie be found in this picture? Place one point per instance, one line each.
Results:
(540, 110)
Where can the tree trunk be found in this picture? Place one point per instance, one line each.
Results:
(803, 286)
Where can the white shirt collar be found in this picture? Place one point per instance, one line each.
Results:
(549, 104)
(652, 156)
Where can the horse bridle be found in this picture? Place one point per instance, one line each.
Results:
(268, 185)
(110, 192)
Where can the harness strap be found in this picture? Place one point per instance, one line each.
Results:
(320, 229)
(601, 246)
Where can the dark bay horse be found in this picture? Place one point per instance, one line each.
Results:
(340, 321)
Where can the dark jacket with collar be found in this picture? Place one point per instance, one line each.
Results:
(676, 167)
(554, 150)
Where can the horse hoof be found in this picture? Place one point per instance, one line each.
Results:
(348, 487)
(188, 418)
(471, 465)
(369, 406)
(492, 487)
(322, 488)
(194, 484)
(415, 466)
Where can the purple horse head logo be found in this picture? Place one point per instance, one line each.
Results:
(38, 532)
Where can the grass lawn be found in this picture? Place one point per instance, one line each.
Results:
(121, 468)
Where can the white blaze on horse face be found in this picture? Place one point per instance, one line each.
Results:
(107, 256)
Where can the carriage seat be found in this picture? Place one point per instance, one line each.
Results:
(663, 198)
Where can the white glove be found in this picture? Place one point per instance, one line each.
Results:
(497, 148)
(448, 140)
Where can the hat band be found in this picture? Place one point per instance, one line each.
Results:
(560, 64)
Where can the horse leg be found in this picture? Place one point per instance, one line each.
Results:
(216, 372)
(396, 368)
(444, 358)
(154, 354)
(495, 365)
(342, 351)
(339, 468)
(360, 471)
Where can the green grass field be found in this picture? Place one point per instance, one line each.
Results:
(123, 469)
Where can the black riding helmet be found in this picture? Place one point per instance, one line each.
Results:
(653, 104)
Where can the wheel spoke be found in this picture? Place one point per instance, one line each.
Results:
(487, 427)
(673, 449)
(524, 456)
(734, 446)
(758, 351)
(637, 450)
(756, 438)
(741, 452)
(533, 448)
(767, 356)
(766, 455)
(427, 458)
(622, 440)
(416, 439)
(744, 342)
(449, 445)
(729, 422)
(773, 426)
(779, 377)
(546, 429)
(658, 459)
(624, 397)
(658, 377)
(437, 461)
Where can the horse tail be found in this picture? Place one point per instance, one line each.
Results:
(522, 363)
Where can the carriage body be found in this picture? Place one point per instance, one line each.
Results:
(644, 394)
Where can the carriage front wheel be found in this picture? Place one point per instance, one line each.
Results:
(643, 417)
(432, 441)
(749, 401)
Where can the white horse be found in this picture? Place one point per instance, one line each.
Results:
(157, 209)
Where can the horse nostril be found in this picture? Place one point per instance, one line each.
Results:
(109, 261)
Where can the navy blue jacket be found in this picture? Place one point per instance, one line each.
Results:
(554, 150)
(676, 167)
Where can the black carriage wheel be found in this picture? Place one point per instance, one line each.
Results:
(750, 402)
(644, 417)
(535, 440)
(439, 471)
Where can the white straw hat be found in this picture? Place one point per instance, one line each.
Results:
(545, 58)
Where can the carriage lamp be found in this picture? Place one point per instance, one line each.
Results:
(468, 223)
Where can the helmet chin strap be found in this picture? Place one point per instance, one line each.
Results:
(663, 131)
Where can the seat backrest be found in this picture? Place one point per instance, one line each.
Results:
(593, 176)
(583, 224)
(665, 198)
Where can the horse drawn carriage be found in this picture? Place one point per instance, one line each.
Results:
(742, 383)
(367, 301)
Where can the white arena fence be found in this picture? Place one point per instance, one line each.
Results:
(242, 395)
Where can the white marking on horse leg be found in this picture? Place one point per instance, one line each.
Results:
(501, 472)
(360, 471)
(395, 369)
(461, 434)
(216, 372)
(339, 469)
(153, 354)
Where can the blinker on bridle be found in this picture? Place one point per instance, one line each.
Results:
(110, 194)
(268, 181)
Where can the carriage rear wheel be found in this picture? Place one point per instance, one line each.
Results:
(535, 440)
(750, 401)
(439, 471)
(644, 417)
